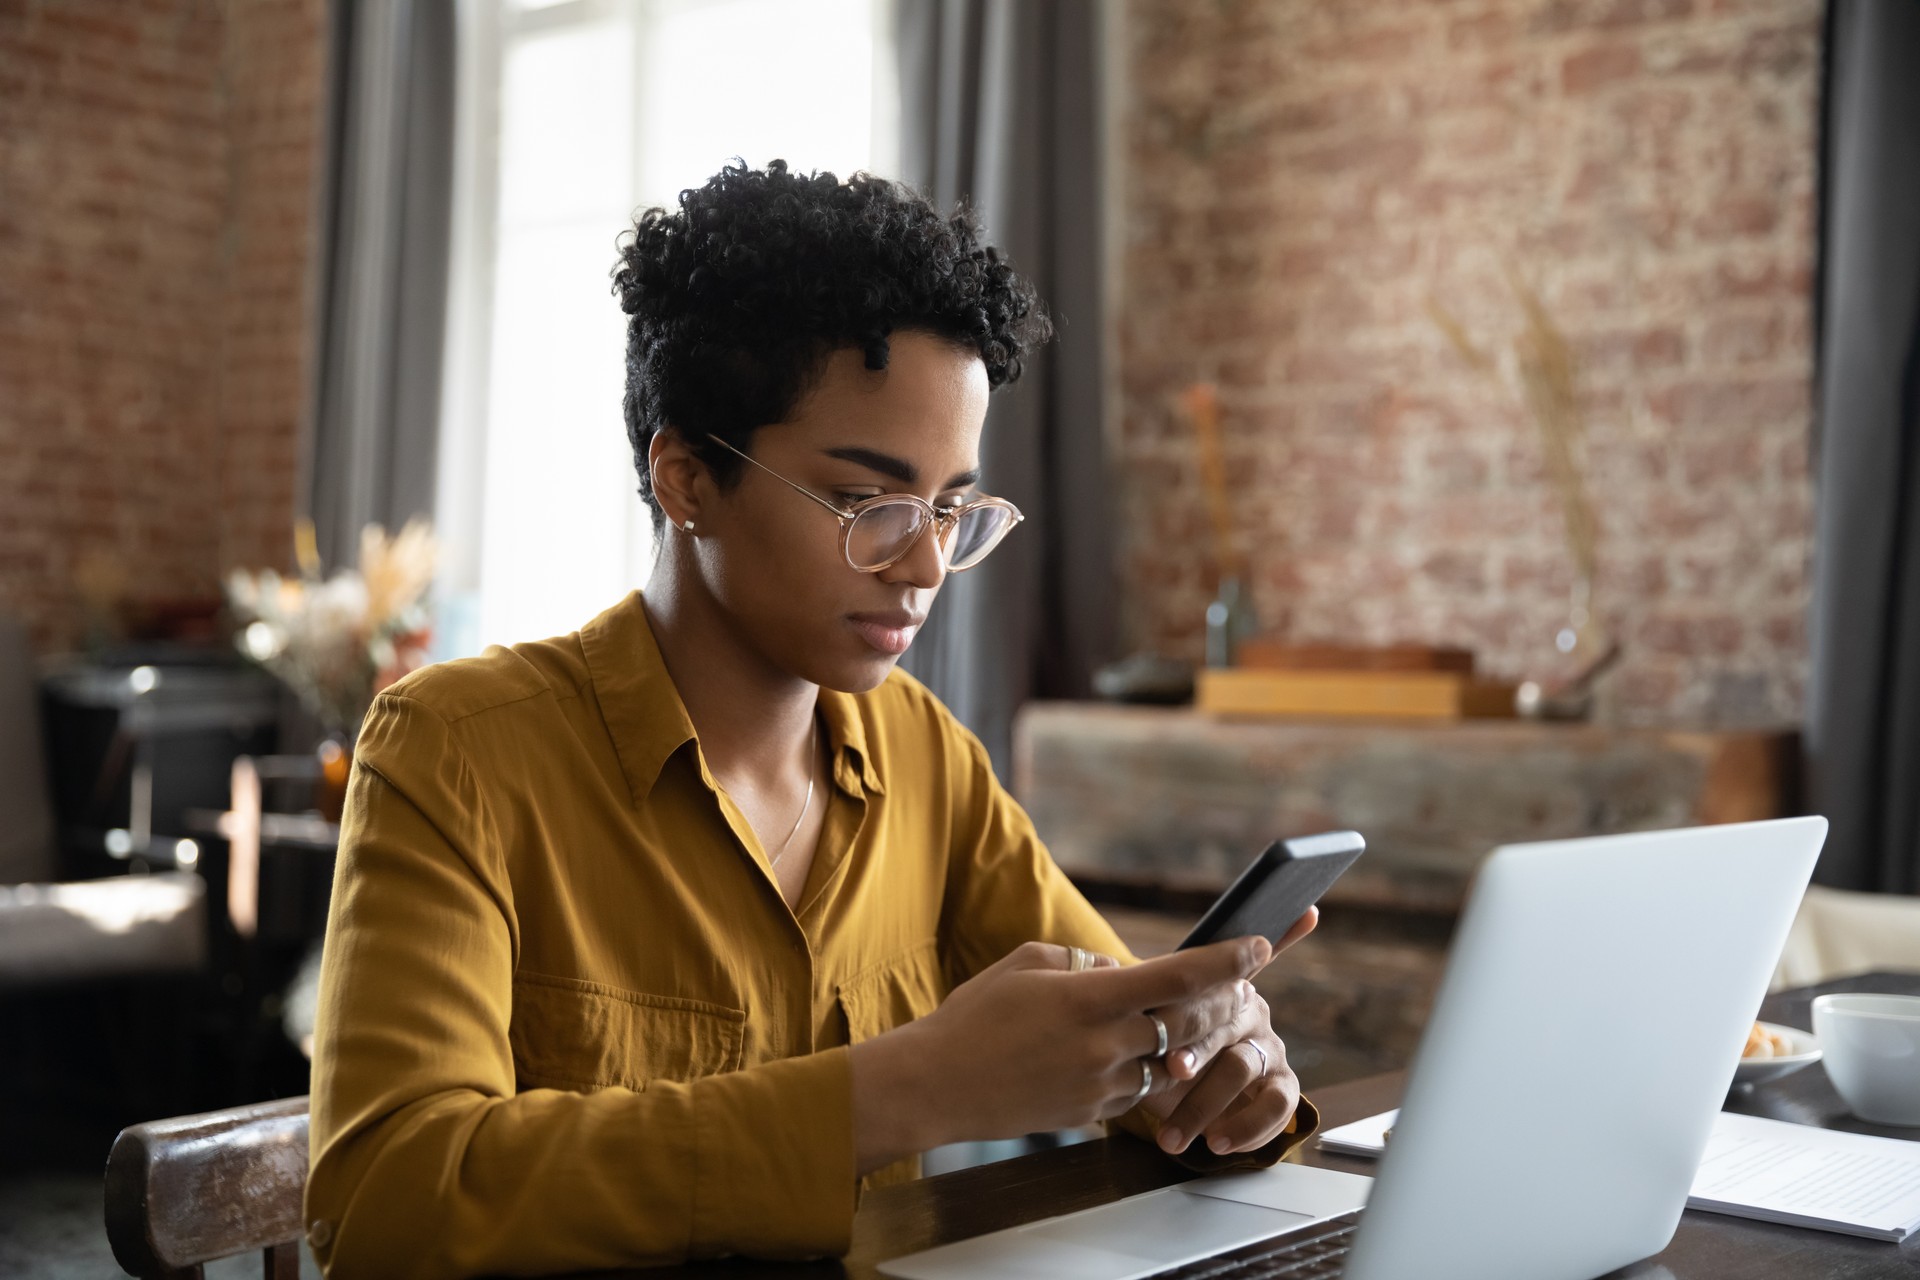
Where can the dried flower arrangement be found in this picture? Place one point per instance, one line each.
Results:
(1546, 370)
(336, 641)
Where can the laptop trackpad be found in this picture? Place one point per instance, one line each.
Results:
(1297, 1188)
(1171, 1227)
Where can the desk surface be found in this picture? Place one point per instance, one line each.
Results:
(902, 1219)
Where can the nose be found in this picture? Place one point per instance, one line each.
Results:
(925, 564)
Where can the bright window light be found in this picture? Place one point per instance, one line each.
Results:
(576, 114)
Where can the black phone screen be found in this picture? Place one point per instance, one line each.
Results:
(1278, 887)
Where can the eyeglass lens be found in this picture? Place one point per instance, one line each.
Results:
(882, 534)
(978, 532)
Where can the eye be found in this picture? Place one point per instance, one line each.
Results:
(849, 497)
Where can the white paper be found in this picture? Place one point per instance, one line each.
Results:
(1361, 1138)
(1852, 1183)
(1849, 1182)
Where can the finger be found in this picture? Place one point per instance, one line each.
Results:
(1249, 1018)
(1052, 955)
(1162, 1101)
(1124, 1085)
(1300, 929)
(1233, 1070)
(1192, 1021)
(1171, 979)
(1257, 1117)
(1249, 1121)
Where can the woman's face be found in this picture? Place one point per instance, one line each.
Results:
(772, 557)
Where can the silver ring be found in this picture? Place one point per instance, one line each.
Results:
(1146, 1082)
(1160, 1030)
(1078, 958)
(1265, 1066)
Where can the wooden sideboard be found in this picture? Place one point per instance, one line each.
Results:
(1181, 800)
(1153, 810)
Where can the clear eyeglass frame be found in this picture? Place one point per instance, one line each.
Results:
(945, 521)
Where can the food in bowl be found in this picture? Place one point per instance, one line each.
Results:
(1773, 1051)
(1765, 1043)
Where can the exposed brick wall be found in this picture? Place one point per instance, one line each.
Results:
(158, 163)
(275, 69)
(1301, 176)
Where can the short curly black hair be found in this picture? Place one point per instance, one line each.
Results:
(736, 299)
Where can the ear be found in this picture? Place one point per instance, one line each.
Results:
(679, 477)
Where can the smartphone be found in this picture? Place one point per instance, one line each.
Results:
(1278, 887)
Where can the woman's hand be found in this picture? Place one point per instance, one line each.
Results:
(1027, 1046)
(1235, 1087)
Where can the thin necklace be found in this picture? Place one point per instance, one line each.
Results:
(813, 759)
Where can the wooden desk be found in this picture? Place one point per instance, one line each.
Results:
(903, 1219)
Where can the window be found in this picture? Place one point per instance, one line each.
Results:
(574, 114)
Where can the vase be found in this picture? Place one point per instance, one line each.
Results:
(1229, 621)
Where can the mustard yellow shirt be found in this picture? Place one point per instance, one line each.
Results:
(567, 1020)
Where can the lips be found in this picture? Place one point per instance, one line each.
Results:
(889, 632)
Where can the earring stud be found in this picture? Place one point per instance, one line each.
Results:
(688, 526)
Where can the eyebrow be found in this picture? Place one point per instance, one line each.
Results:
(896, 468)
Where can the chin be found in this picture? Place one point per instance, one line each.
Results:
(858, 676)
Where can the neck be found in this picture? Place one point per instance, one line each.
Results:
(751, 716)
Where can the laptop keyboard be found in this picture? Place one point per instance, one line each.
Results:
(1314, 1253)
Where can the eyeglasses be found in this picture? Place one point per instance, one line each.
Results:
(877, 533)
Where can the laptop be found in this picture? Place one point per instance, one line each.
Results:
(1585, 1034)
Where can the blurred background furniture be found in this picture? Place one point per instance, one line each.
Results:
(125, 993)
(99, 978)
(1838, 933)
(190, 1190)
(279, 855)
(136, 740)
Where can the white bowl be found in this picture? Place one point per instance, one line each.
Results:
(1804, 1051)
(1874, 1061)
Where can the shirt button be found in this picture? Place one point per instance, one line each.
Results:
(320, 1234)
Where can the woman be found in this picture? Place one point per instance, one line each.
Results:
(656, 940)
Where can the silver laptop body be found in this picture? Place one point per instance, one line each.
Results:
(1586, 1031)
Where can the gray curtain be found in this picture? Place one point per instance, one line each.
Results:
(1863, 705)
(387, 206)
(1001, 108)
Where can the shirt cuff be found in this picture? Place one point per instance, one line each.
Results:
(1304, 1122)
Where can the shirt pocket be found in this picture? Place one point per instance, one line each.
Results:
(892, 993)
(568, 1033)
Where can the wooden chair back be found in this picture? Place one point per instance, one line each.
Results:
(186, 1191)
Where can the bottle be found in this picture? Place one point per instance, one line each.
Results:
(1229, 621)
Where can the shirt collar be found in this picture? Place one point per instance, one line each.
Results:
(638, 700)
(845, 717)
(648, 722)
